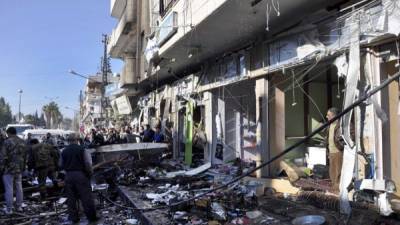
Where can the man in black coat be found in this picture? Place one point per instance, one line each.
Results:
(78, 166)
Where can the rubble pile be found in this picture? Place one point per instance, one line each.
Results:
(161, 186)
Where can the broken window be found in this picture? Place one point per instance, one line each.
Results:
(165, 5)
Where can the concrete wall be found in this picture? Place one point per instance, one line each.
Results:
(190, 12)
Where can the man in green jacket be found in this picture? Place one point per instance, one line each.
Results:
(44, 160)
(12, 164)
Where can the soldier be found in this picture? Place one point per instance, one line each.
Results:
(44, 160)
(78, 166)
(12, 164)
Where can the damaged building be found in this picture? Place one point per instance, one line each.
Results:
(229, 79)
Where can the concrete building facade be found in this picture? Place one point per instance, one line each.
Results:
(249, 78)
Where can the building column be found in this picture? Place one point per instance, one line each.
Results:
(175, 129)
(210, 129)
(129, 75)
(262, 133)
(276, 127)
(239, 135)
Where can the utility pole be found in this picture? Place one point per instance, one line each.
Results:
(105, 70)
(19, 106)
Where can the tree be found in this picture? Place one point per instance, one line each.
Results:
(52, 115)
(42, 121)
(30, 119)
(5, 113)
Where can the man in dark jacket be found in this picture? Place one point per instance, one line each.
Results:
(12, 164)
(77, 164)
(148, 134)
(97, 139)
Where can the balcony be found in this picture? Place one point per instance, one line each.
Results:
(117, 8)
(218, 26)
(123, 37)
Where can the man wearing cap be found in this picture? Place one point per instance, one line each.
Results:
(78, 166)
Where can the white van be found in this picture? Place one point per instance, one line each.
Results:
(21, 128)
(41, 133)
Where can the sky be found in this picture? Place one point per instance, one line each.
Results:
(41, 40)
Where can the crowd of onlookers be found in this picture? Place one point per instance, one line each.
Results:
(47, 157)
(108, 136)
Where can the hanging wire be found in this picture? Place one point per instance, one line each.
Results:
(312, 101)
(338, 87)
(293, 94)
(275, 7)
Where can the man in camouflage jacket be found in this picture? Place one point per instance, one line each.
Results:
(12, 164)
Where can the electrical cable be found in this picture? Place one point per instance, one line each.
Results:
(287, 150)
(311, 99)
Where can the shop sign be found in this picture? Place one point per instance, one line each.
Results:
(123, 105)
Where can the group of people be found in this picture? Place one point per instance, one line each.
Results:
(44, 159)
(145, 133)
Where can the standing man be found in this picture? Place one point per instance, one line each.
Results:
(335, 148)
(49, 139)
(148, 134)
(12, 164)
(28, 139)
(78, 166)
(158, 135)
(44, 160)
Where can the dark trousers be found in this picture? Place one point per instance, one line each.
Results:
(42, 174)
(77, 187)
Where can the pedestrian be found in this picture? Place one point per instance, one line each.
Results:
(97, 139)
(28, 139)
(158, 135)
(44, 162)
(76, 161)
(12, 164)
(148, 134)
(335, 147)
(113, 137)
(49, 139)
(129, 137)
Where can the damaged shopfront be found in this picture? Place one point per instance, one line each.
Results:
(263, 98)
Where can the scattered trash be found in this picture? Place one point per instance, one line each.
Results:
(61, 201)
(309, 220)
(132, 221)
(253, 214)
(218, 211)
